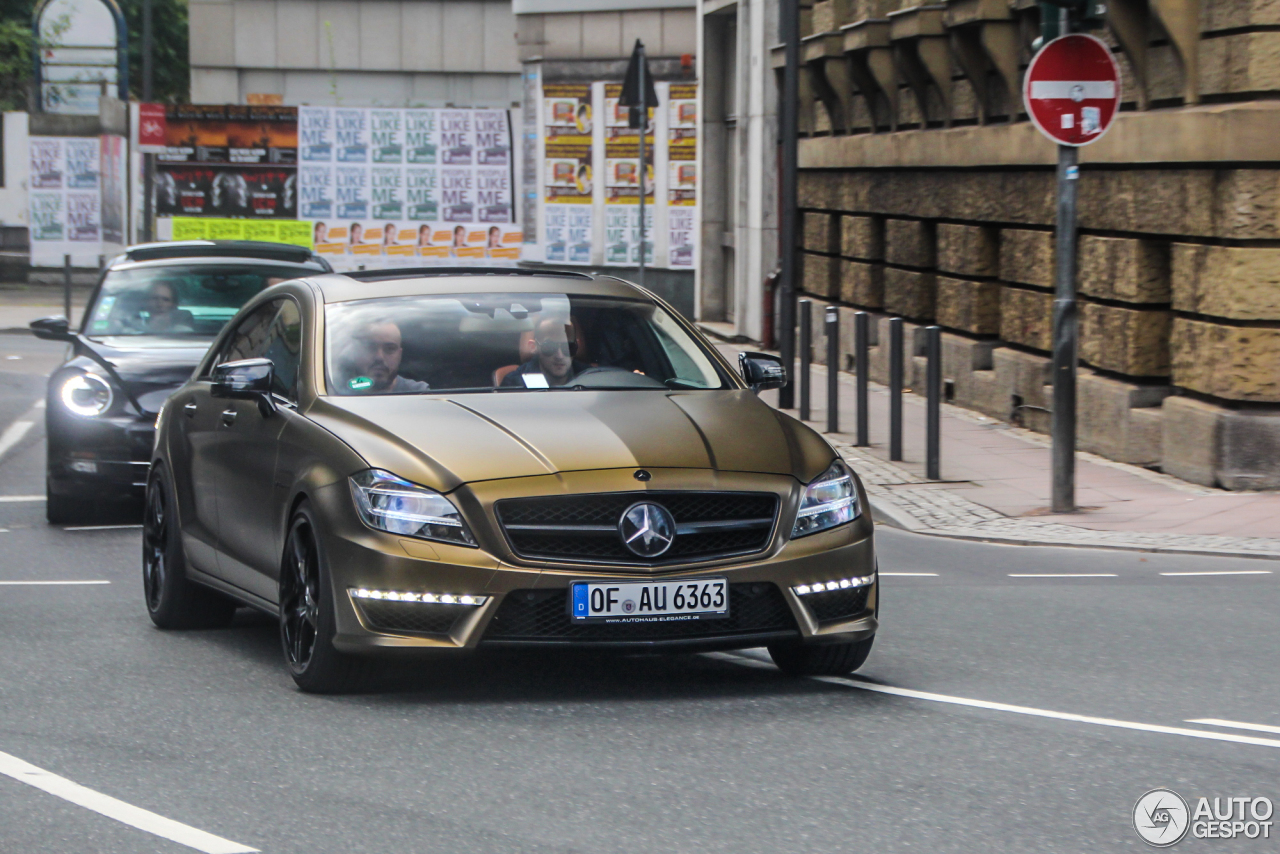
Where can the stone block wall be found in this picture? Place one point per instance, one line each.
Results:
(941, 208)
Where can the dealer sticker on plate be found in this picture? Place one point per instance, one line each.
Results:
(649, 601)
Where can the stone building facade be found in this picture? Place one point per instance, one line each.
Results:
(927, 194)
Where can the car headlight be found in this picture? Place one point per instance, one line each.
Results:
(393, 504)
(829, 501)
(86, 394)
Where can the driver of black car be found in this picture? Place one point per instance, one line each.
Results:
(163, 314)
(557, 345)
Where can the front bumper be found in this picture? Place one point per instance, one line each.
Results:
(527, 602)
(104, 456)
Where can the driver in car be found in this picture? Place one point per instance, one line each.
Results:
(163, 314)
(373, 361)
(557, 344)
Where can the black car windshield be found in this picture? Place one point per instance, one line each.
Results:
(509, 342)
(176, 299)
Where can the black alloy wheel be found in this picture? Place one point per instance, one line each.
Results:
(832, 659)
(307, 621)
(173, 601)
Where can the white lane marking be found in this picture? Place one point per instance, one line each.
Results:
(1062, 575)
(1235, 725)
(25, 772)
(751, 661)
(13, 435)
(11, 499)
(100, 527)
(911, 574)
(39, 404)
(1224, 572)
(47, 583)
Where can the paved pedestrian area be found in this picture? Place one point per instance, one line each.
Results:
(996, 486)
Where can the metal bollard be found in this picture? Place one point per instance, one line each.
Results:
(806, 356)
(933, 404)
(66, 287)
(832, 318)
(895, 388)
(862, 364)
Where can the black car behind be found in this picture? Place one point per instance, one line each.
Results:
(151, 318)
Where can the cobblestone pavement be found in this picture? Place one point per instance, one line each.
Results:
(904, 500)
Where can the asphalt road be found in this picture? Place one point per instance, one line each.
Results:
(546, 753)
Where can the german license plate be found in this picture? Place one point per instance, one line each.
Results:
(649, 601)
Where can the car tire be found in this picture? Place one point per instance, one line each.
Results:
(173, 601)
(833, 659)
(307, 614)
(65, 510)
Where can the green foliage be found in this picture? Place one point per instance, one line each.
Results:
(171, 81)
(15, 64)
(171, 71)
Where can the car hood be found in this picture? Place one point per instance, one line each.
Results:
(152, 367)
(446, 441)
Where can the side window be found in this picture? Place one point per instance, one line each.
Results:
(273, 331)
(284, 349)
(251, 337)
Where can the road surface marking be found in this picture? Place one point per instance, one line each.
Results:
(18, 583)
(1224, 572)
(1236, 725)
(10, 499)
(101, 527)
(911, 574)
(25, 772)
(13, 435)
(1062, 575)
(752, 661)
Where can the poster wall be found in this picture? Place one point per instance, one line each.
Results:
(569, 179)
(406, 187)
(591, 182)
(228, 161)
(75, 198)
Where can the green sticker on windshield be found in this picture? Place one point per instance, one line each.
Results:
(358, 383)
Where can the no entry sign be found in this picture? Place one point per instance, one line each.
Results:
(1072, 89)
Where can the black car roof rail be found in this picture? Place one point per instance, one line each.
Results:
(225, 248)
(417, 272)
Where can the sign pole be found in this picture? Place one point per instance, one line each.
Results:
(644, 122)
(1071, 92)
(788, 131)
(1066, 331)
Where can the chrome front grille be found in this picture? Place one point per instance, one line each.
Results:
(584, 528)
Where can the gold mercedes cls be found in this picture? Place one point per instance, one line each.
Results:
(440, 460)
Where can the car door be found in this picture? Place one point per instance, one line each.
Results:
(249, 512)
(192, 437)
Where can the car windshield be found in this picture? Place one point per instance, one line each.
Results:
(175, 299)
(509, 342)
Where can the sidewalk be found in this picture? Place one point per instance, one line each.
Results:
(996, 486)
(19, 307)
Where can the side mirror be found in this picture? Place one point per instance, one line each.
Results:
(247, 379)
(56, 328)
(762, 371)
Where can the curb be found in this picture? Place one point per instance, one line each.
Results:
(894, 518)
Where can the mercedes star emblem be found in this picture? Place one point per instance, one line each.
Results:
(647, 529)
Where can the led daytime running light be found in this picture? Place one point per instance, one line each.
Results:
(86, 395)
(469, 599)
(837, 584)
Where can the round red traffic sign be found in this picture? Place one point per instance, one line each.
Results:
(1072, 89)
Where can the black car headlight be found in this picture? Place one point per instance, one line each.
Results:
(828, 501)
(86, 395)
(393, 504)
